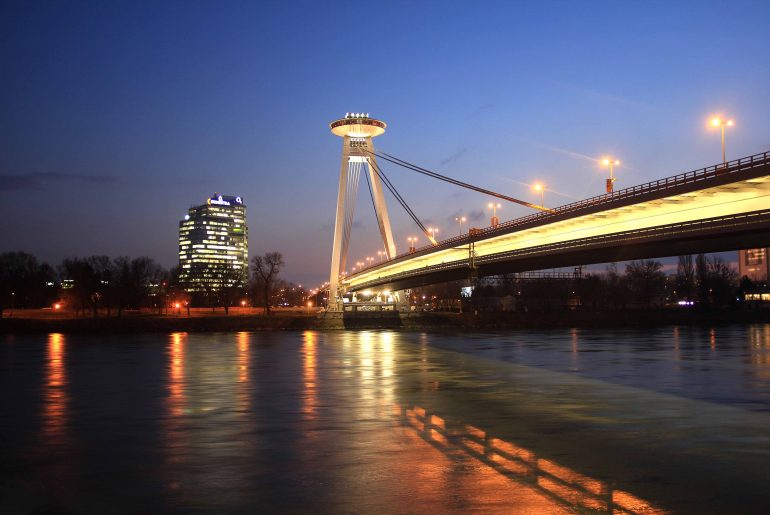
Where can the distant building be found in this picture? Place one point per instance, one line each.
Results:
(214, 245)
(753, 263)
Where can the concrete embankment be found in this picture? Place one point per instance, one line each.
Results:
(395, 321)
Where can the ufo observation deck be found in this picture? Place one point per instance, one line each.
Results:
(357, 125)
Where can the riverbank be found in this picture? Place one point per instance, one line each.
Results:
(386, 320)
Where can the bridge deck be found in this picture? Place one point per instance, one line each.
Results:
(721, 207)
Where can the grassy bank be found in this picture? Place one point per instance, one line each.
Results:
(406, 321)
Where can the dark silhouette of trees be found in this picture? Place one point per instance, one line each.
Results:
(134, 280)
(232, 287)
(720, 282)
(616, 287)
(266, 269)
(684, 282)
(592, 290)
(646, 280)
(98, 282)
(24, 282)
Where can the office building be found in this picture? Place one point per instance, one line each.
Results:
(753, 263)
(214, 245)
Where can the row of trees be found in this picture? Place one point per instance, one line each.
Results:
(701, 279)
(100, 284)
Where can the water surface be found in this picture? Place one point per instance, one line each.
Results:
(671, 420)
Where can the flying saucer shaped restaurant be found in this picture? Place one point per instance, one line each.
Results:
(357, 125)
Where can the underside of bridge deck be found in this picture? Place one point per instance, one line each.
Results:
(720, 208)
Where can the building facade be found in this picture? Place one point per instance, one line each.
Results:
(753, 263)
(214, 245)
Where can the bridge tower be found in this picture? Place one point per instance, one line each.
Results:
(356, 131)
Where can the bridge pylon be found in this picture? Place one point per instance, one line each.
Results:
(356, 131)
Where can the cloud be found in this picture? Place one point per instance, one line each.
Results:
(39, 181)
(454, 157)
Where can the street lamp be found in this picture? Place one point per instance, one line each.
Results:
(380, 253)
(369, 261)
(412, 243)
(494, 207)
(608, 161)
(719, 122)
(460, 220)
(540, 188)
(433, 231)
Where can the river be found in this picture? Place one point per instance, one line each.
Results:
(664, 420)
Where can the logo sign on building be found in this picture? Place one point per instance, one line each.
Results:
(224, 200)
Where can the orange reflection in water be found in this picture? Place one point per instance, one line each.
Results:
(55, 398)
(310, 393)
(243, 357)
(547, 480)
(176, 373)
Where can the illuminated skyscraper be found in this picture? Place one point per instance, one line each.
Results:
(214, 245)
(753, 263)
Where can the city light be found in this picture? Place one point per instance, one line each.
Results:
(540, 189)
(494, 207)
(722, 123)
(612, 163)
(460, 220)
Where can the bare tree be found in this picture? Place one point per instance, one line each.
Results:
(685, 277)
(266, 269)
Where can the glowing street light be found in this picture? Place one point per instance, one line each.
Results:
(460, 220)
(540, 188)
(494, 207)
(433, 231)
(412, 243)
(611, 162)
(381, 254)
(719, 122)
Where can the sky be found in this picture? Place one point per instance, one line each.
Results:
(116, 117)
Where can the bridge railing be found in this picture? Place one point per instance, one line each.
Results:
(733, 167)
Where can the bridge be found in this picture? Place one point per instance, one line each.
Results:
(718, 208)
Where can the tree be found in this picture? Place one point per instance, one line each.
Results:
(24, 282)
(701, 279)
(266, 269)
(721, 281)
(133, 279)
(232, 286)
(685, 278)
(646, 279)
(617, 287)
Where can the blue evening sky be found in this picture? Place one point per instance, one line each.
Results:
(115, 117)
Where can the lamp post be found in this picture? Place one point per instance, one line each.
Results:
(460, 220)
(608, 161)
(494, 207)
(433, 231)
(540, 188)
(412, 243)
(380, 253)
(719, 122)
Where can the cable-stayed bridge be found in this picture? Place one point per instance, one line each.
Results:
(718, 208)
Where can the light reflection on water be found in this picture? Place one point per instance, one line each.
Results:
(55, 398)
(549, 422)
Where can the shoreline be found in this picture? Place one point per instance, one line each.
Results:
(418, 322)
